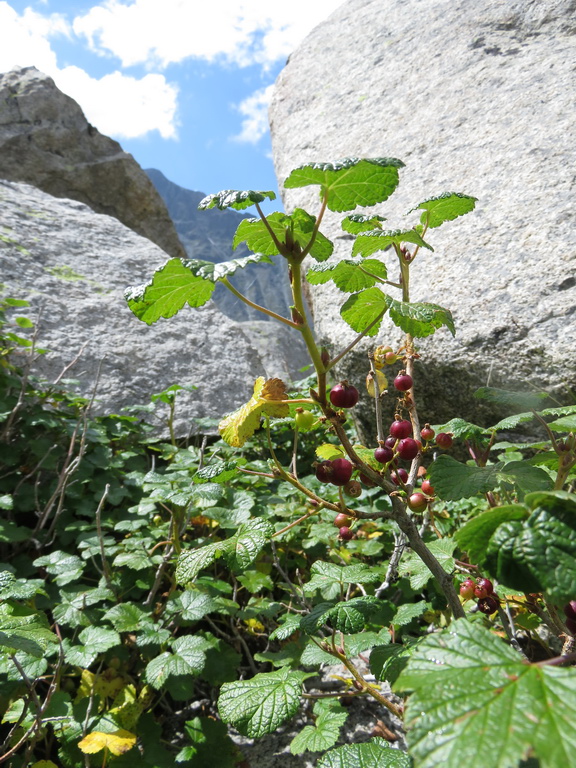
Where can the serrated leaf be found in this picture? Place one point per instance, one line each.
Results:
(348, 617)
(329, 451)
(388, 661)
(172, 286)
(442, 549)
(64, 567)
(192, 561)
(475, 535)
(118, 742)
(523, 401)
(22, 630)
(322, 735)
(331, 579)
(259, 705)
(299, 226)
(234, 198)
(408, 611)
(349, 275)
(217, 472)
(462, 429)
(564, 424)
(376, 240)
(245, 546)
(475, 696)
(127, 617)
(240, 425)
(420, 319)
(358, 222)
(453, 480)
(349, 182)
(363, 309)
(289, 626)
(511, 422)
(214, 271)
(188, 658)
(445, 207)
(193, 605)
(526, 477)
(99, 640)
(376, 753)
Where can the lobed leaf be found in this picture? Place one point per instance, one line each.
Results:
(375, 753)
(365, 308)
(453, 480)
(445, 207)
(118, 742)
(324, 733)
(233, 198)
(475, 696)
(259, 705)
(379, 240)
(442, 549)
(349, 275)
(420, 319)
(297, 228)
(349, 182)
(475, 535)
(24, 630)
(358, 222)
(238, 426)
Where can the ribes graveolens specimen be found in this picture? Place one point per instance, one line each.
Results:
(345, 609)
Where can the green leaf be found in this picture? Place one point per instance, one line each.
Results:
(442, 549)
(245, 546)
(324, 733)
(347, 617)
(217, 472)
(193, 605)
(24, 630)
(474, 537)
(453, 480)
(474, 697)
(259, 705)
(349, 182)
(462, 429)
(192, 561)
(297, 228)
(376, 753)
(188, 658)
(332, 579)
(388, 661)
(420, 319)
(364, 308)
(408, 611)
(349, 275)
(379, 240)
(233, 198)
(565, 424)
(290, 625)
(526, 477)
(98, 639)
(445, 207)
(214, 271)
(523, 401)
(240, 425)
(211, 747)
(172, 286)
(64, 567)
(358, 222)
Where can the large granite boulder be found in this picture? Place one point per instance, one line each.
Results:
(45, 140)
(475, 98)
(73, 265)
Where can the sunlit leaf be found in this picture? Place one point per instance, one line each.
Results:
(238, 426)
(445, 207)
(233, 198)
(118, 742)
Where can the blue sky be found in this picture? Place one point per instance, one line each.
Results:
(183, 85)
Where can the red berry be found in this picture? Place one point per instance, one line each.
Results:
(571, 626)
(427, 488)
(467, 589)
(427, 433)
(344, 395)
(384, 455)
(390, 442)
(341, 471)
(353, 488)
(480, 592)
(324, 471)
(345, 533)
(403, 382)
(399, 475)
(417, 502)
(342, 520)
(408, 449)
(400, 429)
(488, 605)
(444, 440)
(487, 585)
(367, 482)
(570, 609)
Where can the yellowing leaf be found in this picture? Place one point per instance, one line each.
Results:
(238, 426)
(44, 764)
(329, 451)
(118, 742)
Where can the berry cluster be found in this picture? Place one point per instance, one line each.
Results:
(483, 590)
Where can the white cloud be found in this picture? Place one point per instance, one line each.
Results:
(255, 112)
(242, 32)
(117, 104)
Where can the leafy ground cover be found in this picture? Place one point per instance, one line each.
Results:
(154, 594)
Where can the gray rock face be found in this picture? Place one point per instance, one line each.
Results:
(73, 265)
(208, 235)
(45, 140)
(475, 98)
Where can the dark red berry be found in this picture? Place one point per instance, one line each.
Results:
(344, 395)
(570, 609)
(403, 382)
(345, 533)
(399, 475)
(444, 440)
(383, 455)
(341, 471)
(342, 520)
(571, 626)
(488, 605)
(408, 449)
(427, 488)
(366, 481)
(324, 471)
(400, 429)
(487, 585)
(353, 488)
(390, 442)
(427, 433)
(480, 592)
(467, 589)
(417, 502)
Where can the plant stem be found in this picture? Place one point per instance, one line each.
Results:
(265, 311)
(358, 338)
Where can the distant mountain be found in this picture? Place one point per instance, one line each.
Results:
(208, 235)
